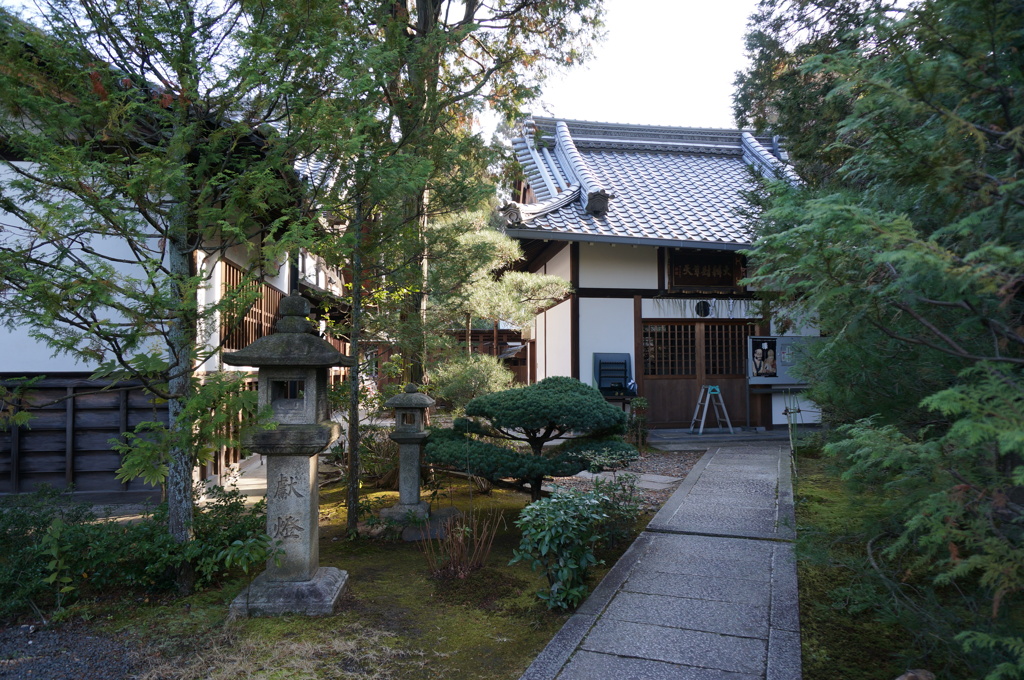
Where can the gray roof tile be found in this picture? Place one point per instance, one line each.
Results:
(667, 185)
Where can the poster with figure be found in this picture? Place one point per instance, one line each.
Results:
(762, 358)
(770, 359)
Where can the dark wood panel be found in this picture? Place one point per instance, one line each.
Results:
(30, 483)
(32, 442)
(68, 439)
(136, 417)
(93, 419)
(142, 400)
(95, 440)
(671, 400)
(97, 462)
(40, 463)
(98, 400)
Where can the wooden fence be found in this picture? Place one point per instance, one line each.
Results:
(66, 443)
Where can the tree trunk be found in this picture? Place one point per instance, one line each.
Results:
(181, 341)
(353, 398)
(535, 488)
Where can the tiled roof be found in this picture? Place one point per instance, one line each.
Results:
(638, 184)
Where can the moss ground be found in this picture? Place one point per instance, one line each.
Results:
(396, 621)
(841, 638)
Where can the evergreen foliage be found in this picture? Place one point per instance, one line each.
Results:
(141, 143)
(460, 380)
(554, 408)
(905, 246)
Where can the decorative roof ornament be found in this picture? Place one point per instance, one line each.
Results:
(766, 162)
(593, 196)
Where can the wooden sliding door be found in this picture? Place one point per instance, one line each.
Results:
(681, 356)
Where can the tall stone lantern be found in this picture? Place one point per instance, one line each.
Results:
(292, 376)
(410, 431)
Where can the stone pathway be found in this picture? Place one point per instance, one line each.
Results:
(707, 592)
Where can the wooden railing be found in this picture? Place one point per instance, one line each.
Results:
(257, 321)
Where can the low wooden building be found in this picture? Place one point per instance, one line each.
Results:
(645, 222)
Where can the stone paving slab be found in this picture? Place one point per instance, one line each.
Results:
(709, 616)
(644, 481)
(678, 645)
(712, 588)
(596, 666)
(707, 592)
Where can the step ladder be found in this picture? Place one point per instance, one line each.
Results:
(710, 394)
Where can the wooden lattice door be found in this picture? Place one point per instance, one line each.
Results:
(678, 357)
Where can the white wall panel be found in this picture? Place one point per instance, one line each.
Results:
(603, 265)
(555, 334)
(606, 325)
(559, 265)
(803, 410)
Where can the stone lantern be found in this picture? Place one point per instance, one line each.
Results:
(410, 431)
(292, 376)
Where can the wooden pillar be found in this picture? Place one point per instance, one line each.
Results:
(123, 423)
(69, 437)
(15, 454)
(638, 345)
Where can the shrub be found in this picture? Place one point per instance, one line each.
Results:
(458, 381)
(378, 455)
(55, 549)
(560, 534)
(555, 408)
(620, 503)
(463, 546)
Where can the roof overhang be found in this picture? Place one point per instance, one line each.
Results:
(535, 235)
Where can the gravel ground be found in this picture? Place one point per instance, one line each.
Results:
(666, 463)
(69, 652)
(75, 652)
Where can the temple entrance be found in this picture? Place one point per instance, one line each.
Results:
(678, 357)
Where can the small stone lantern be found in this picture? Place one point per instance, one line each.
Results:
(292, 365)
(410, 432)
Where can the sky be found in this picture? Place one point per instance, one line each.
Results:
(663, 62)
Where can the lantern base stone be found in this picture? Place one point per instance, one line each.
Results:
(403, 513)
(320, 596)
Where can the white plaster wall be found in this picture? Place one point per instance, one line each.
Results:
(804, 411)
(278, 277)
(315, 271)
(554, 341)
(603, 265)
(20, 353)
(606, 325)
(559, 265)
(209, 295)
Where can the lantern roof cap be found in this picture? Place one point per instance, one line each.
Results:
(410, 398)
(293, 343)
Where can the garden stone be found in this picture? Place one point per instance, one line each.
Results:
(292, 367)
(410, 433)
